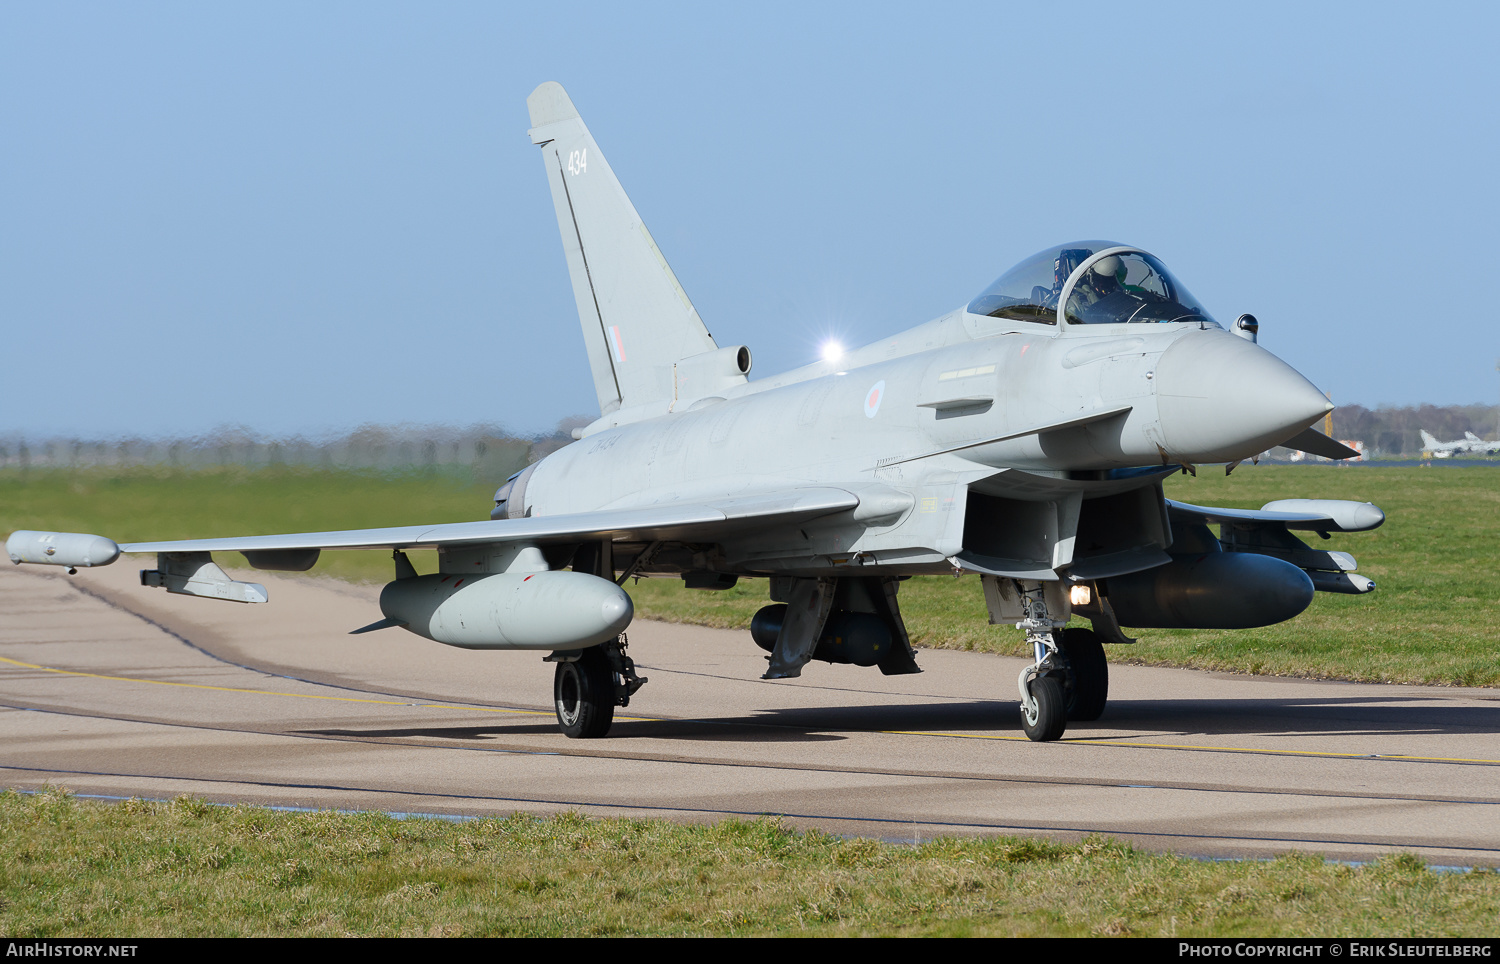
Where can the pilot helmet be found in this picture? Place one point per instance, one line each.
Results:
(1111, 267)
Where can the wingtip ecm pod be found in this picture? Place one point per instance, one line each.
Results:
(76, 550)
(1343, 514)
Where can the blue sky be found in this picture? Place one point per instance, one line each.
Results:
(305, 217)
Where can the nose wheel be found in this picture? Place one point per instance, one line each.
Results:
(1044, 716)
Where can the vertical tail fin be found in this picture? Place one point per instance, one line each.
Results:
(637, 321)
(1428, 440)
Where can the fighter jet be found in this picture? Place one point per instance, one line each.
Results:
(1470, 444)
(1021, 438)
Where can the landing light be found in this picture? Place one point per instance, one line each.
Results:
(1079, 595)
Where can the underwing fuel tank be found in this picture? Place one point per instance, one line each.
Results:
(512, 610)
(1216, 590)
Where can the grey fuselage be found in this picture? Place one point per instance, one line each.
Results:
(908, 423)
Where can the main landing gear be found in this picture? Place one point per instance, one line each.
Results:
(1068, 681)
(1089, 676)
(589, 684)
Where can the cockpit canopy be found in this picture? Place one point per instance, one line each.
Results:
(1096, 282)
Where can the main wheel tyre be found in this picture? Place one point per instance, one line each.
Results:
(1090, 690)
(584, 692)
(1050, 717)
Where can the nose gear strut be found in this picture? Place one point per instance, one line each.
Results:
(1043, 684)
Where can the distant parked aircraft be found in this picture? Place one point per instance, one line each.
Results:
(1470, 444)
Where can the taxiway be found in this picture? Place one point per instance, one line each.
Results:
(111, 689)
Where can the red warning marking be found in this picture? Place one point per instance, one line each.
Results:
(457, 584)
(528, 578)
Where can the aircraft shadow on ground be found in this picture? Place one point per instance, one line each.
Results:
(1347, 715)
(1122, 719)
(800, 724)
(721, 730)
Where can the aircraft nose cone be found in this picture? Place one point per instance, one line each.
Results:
(1222, 398)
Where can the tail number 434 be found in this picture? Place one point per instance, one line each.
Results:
(578, 162)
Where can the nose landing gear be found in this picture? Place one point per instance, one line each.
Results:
(1044, 711)
(1068, 681)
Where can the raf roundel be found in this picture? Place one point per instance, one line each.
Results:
(873, 397)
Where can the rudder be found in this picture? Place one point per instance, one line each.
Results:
(637, 321)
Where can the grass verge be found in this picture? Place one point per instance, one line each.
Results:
(187, 868)
(137, 504)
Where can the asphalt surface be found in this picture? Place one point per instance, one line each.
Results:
(111, 689)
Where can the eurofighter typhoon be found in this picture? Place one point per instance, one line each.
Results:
(1022, 438)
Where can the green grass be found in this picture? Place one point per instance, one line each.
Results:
(137, 504)
(1435, 617)
(186, 868)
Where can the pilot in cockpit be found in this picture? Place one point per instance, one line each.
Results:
(1130, 286)
(1101, 281)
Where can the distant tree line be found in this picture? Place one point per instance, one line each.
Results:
(488, 451)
